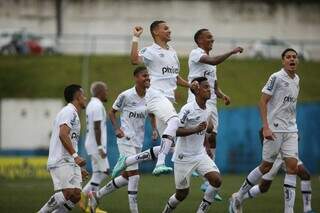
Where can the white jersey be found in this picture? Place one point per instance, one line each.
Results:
(57, 153)
(95, 111)
(198, 69)
(133, 114)
(163, 66)
(282, 106)
(191, 148)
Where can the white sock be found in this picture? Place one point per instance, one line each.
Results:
(94, 183)
(306, 195)
(252, 193)
(251, 180)
(133, 193)
(167, 139)
(149, 154)
(289, 192)
(208, 198)
(56, 201)
(113, 185)
(171, 204)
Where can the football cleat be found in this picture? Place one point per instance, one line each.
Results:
(161, 169)
(119, 167)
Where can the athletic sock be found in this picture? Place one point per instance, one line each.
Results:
(56, 201)
(306, 195)
(68, 206)
(252, 193)
(171, 204)
(94, 183)
(208, 198)
(251, 180)
(133, 193)
(150, 154)
(289, 188)
(113, 185)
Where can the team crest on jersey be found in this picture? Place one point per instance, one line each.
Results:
(134, 104)
(161, 55)
(286, 84)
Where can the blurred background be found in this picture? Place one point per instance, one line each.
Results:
(47, 44)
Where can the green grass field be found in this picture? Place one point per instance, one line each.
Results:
(28, 195)
(46, 76)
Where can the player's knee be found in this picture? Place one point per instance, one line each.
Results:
(67, 193)
(303, 173)
(214, 179)
(182, 194)
(292, 169)
(265, 167)
(265, 185)
(76, 196)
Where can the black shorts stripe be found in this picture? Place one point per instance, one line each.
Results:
(289, 186)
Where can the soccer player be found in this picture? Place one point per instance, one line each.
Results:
(202, 64)
(163, 66)
(190, 154)
(130, 137)
(303, 173)
(96, 139)
(278, 113)
(64, 163)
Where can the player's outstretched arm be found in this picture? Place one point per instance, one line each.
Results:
(67, 144)
(266, 131)
(135, 58)
(116, 127)
(97, 134)
(215, 60)
(182, 131)
(226, 99)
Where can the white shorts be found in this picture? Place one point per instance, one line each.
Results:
(183, 170)
(285, 143)
(213, 113)
(128, 150)
(279, 163)
(66, 176)
(99, 164)
(160, 106)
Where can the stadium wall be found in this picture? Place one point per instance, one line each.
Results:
(239, 149)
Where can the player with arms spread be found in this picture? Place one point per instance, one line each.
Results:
(190, 154)
(63, 162)
(278, 113)
(202, 64)
(163, 66)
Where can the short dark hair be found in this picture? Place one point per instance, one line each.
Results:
(70, 91)
(287, 50)
(199, 79)
(154, 25)
(198, 33)
(139, 70)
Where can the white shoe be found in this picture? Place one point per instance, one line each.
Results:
(235, 204)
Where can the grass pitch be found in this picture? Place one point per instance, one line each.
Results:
(28, 195)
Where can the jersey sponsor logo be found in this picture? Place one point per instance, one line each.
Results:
(184, 117)
(289, 99)
(275, 124)
(170, 70)
(271, 83)
(180, 156)
(161, 55)
(136, 115)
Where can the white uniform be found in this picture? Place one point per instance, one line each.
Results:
(133, 114)
(190, 154)
(64, 171)
(163, 66)
(95, 111)
(198, 69)
(282, 116)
